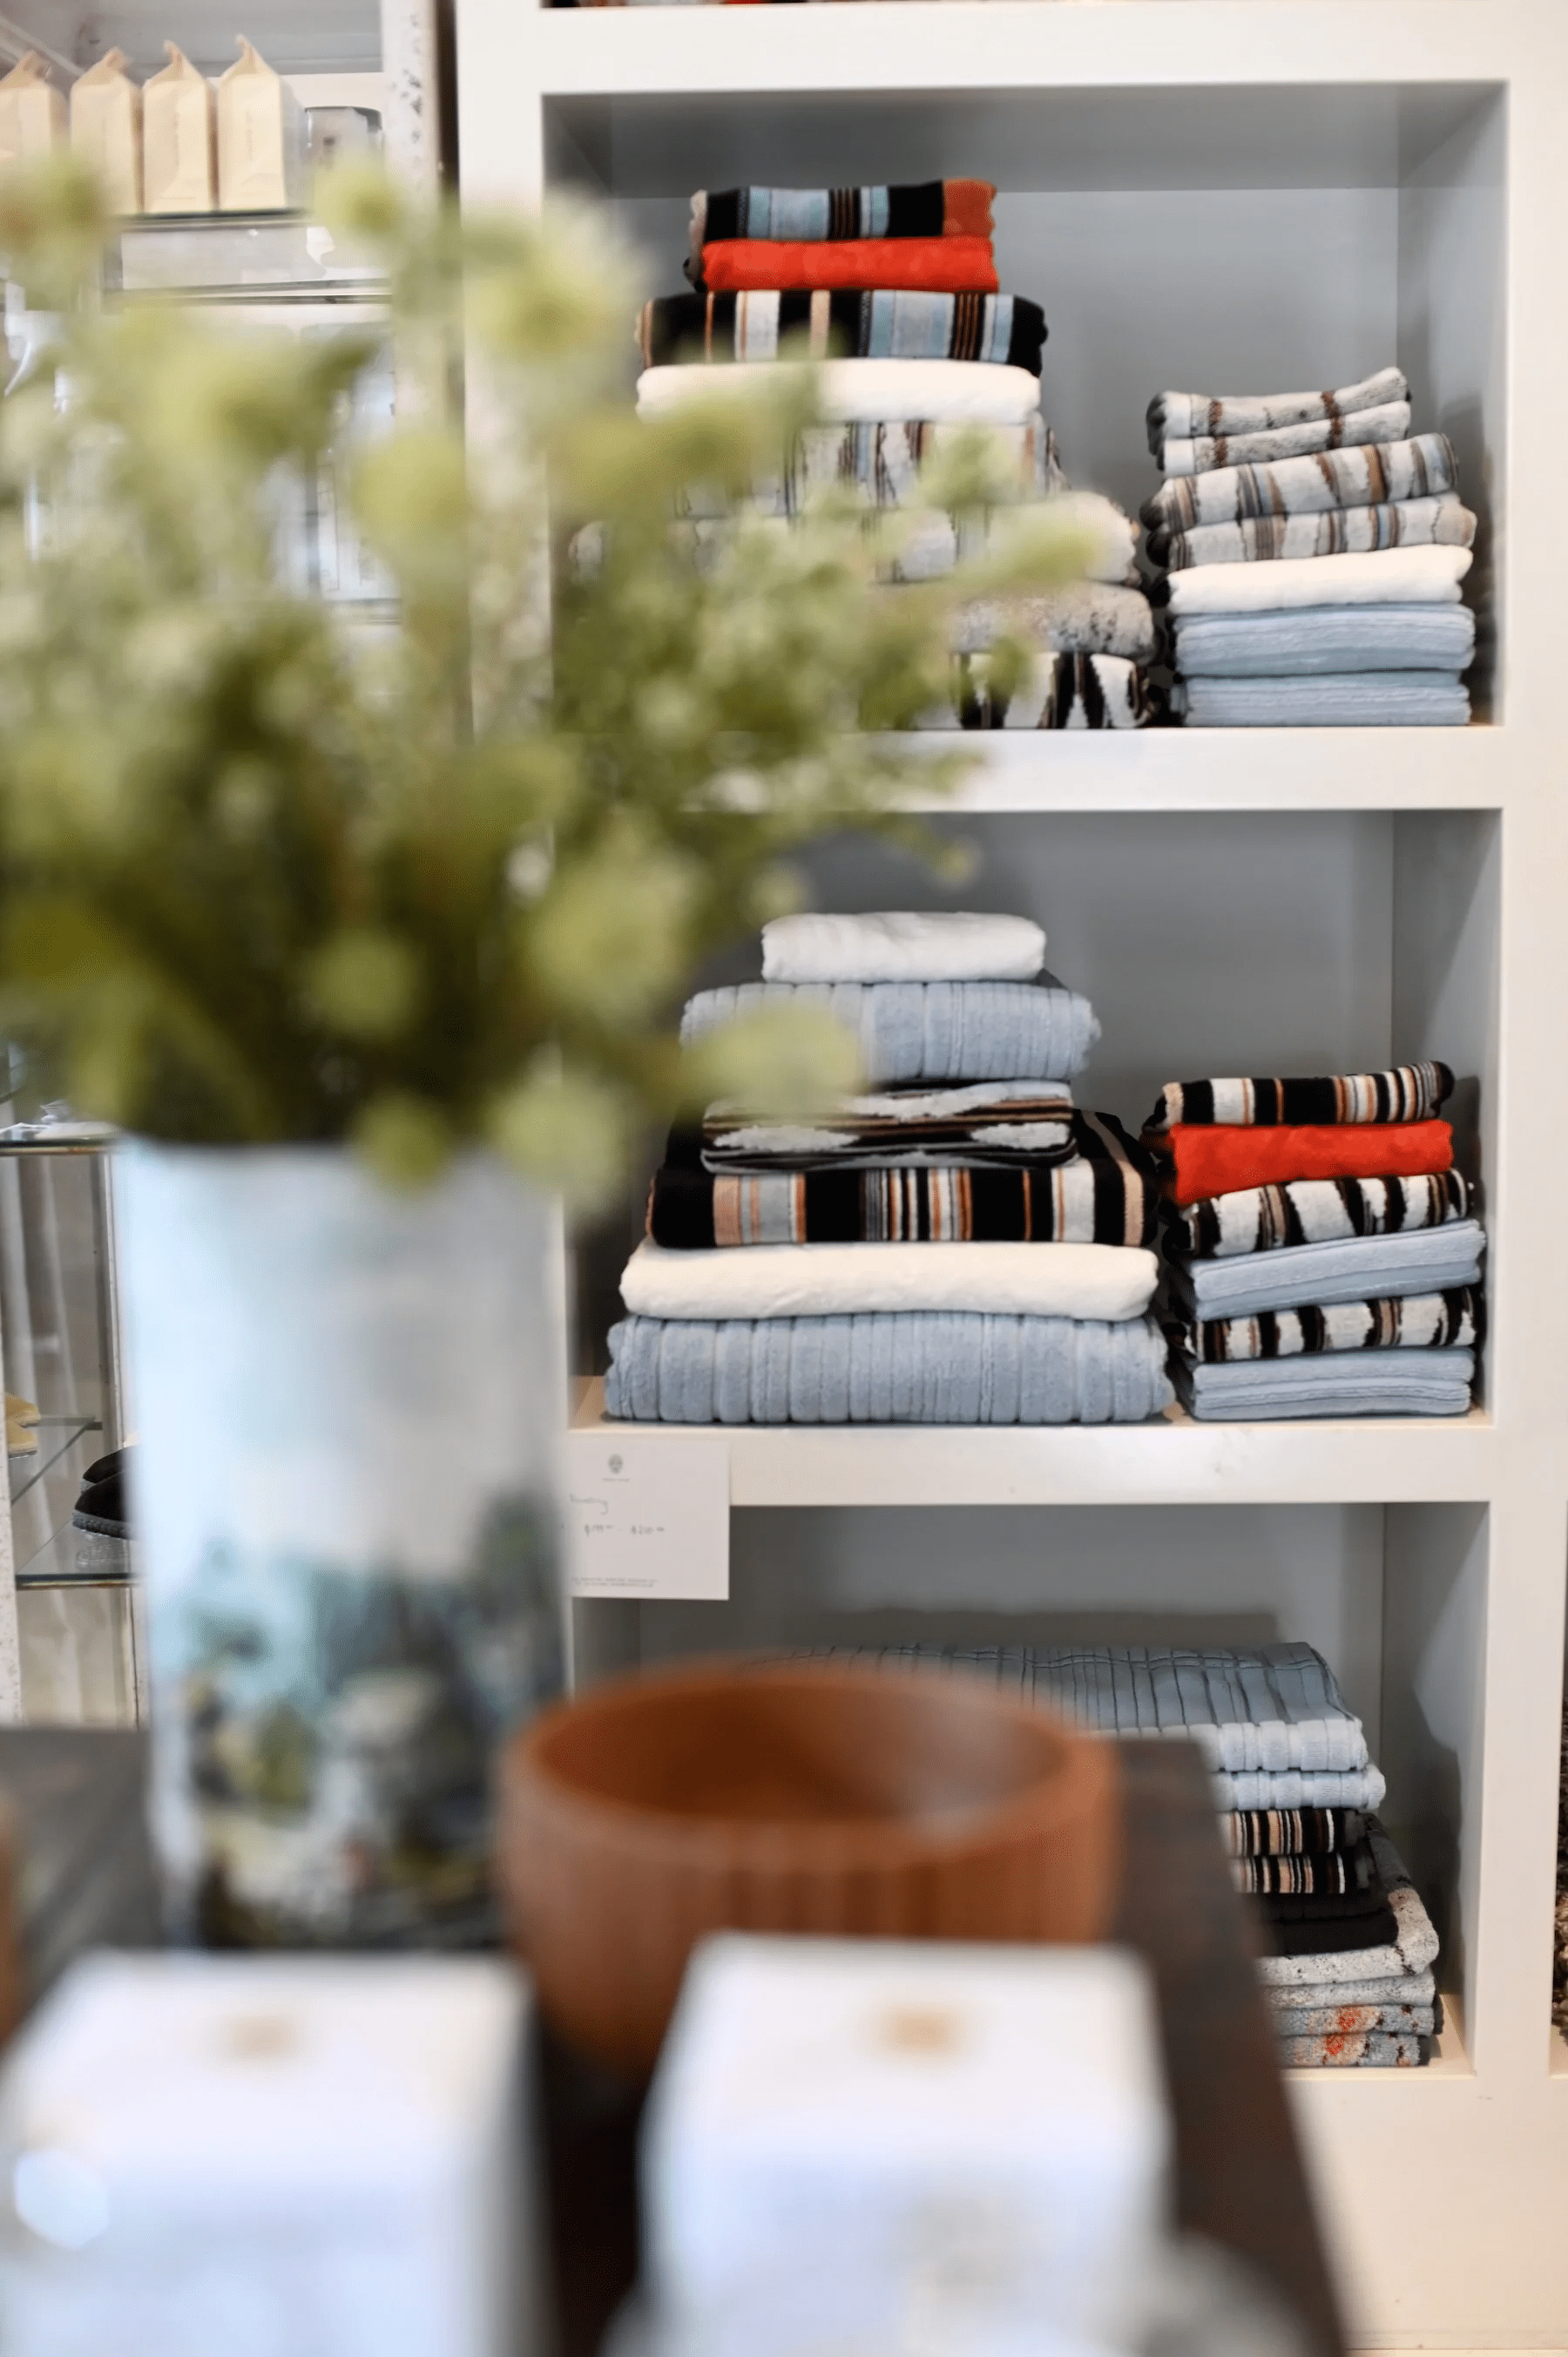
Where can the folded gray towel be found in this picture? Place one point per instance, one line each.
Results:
(1368, 699)
(1379, 1969)
(929, 1030)
(903, 1367)
(1206, 452)
(1176, 415)
(1370, 478)
(1355, 1268)
(1368, 1383)
(1369, 2049)
(1352, 2020)
(1441, 522)
(1311, 641)
(1086, 618)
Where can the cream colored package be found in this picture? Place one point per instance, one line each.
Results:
(106, 129)
(33, 118)
(179, 138)
(259, 137)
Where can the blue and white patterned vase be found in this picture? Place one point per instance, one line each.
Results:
(348, 1403)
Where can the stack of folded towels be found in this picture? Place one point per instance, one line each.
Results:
(1349, 1947)
(1313, 551)
(1323, 1256)
(959, 1246)
(895, 290)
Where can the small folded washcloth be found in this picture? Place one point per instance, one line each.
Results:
(862, 392)
(1412, 1952)
(929, 1030)
(1341, 640)
(1182, 415)
(1317, 1211)
(1390, 577)
(1377, 475)
(1353, 2020)
(903, 945)
(864, 323)
(1279, 1833)
(1441, 522)
(921, 210)
(1062, 692)
(1203, 1160)
(1207, 455)
(1109, 1282)
(1107, 1193)
(1371, 1382)
(1405, 1092)
(1360, 1268)
(1088, 617)
(991, 1124)
(1368, 699)
(947, 265)
(916, 1367)
(1413, 1321)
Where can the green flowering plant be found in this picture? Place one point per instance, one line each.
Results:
(437, 872)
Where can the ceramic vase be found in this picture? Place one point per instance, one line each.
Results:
(347, 1402)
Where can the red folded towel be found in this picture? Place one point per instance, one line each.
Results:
(1219, 1159)
(939, 265)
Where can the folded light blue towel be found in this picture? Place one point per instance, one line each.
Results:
(898, 1367)
(1362, 1382)
(1357, 1268)
(930, 1030)
(1316, 639)
(1369, 699)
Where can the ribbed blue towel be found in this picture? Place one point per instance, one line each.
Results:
(930, 1030)
(899, 1367)
(1368, 699)
(1318, 640)
(1352, 1382)
(1358, 1268)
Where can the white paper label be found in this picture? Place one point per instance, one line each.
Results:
(648, 1517)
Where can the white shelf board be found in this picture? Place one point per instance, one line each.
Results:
(1229, 768)
(1170, 1461)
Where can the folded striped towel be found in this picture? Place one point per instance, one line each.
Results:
(1062, 691)
(1405, 1092)
(1179, 414)
(1413, 1321)
(1004, 330)
(994, 1124)
(1372, 476)
(921, 208)
(1442, 521)
(1208, 453)
(1317, 1211)
(1278, 1833)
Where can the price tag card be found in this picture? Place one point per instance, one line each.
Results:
(648, 1517)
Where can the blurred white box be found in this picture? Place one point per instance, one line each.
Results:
(253, 2157)
(878, 2147)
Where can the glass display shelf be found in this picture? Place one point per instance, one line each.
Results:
(73, 1559)
(56, 1435)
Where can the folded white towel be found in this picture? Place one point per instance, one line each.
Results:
(1109, 1282)
(1382, 576)
(903, 945)
(851, 393)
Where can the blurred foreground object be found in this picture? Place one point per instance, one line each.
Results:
(869, 2146)
(266, 2158)
(652, 1810)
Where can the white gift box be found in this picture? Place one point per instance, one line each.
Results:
(267, 2157)
(874, 2146)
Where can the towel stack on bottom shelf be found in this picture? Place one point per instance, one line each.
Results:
(1348, 1971)
(945, 1249)
(1323, 1259)
(1314, 551)
(894, 289)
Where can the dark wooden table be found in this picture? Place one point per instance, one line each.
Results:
(86, 1880)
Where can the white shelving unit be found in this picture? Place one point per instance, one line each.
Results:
(1231, 195)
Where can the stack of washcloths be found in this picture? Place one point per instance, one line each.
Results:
(959, 1246)
(894, 290)
(1323, 1256)
(1349, 1947)
(1313, 551)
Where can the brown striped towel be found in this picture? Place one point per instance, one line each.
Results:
(1382, 472)
(862, 323)
(1443, 522)
(1173, 415)
(989, 1125)
(1276, 1832)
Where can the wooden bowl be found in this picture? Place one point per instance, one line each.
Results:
(790, 1797)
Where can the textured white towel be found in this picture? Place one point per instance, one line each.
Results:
(1110, 1282)
(903, 945)
(849, 392)
(1383, 576)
